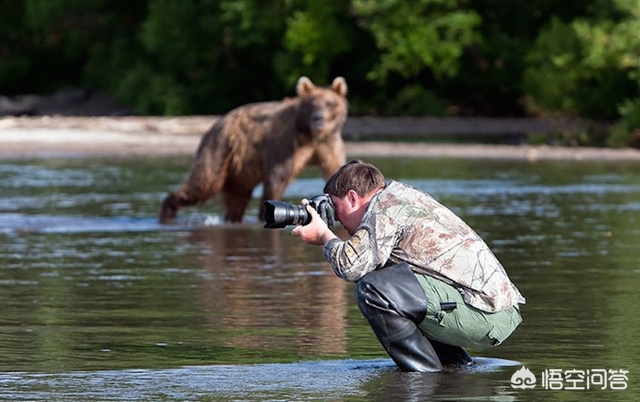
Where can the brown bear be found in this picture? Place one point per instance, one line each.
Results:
(268, 143)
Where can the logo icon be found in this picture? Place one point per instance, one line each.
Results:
(523, 379)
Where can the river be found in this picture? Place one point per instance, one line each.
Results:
(100, 302)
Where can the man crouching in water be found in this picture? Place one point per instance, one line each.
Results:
(425, 281)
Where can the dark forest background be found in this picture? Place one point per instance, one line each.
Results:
(493, 58)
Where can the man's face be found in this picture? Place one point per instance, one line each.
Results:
(348, 211)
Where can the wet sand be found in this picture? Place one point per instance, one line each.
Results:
(93, 137)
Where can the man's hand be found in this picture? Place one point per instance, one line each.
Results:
(315, 232)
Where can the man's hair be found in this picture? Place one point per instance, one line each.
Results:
(356, 175)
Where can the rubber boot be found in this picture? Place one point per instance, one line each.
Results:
(393, 302)
(450, 355)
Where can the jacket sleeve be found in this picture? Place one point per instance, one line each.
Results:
(367, 250)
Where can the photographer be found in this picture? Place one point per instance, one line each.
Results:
(425, 281)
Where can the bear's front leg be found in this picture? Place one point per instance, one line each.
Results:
(235, 204)
(278, 178)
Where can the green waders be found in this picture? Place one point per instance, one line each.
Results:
(421, 324)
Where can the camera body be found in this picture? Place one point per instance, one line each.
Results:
(279, 214)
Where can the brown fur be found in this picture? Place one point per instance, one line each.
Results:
(268, 143)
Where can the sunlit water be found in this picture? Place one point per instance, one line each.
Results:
(99, 302)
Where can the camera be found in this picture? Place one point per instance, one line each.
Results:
(278, 214)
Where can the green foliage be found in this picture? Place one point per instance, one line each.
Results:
(416, 35)
(177, 58)
(589, 67)
(308, 32)
(15, 63)
(434, 57)
(579, 68)
(627, 131)
(414, 100)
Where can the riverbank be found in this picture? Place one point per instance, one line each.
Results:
(25, 137)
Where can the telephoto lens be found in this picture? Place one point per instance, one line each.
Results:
(279, 214)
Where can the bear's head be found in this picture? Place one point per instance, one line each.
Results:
(322, 111)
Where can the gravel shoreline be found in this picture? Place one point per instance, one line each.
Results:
(92, 137)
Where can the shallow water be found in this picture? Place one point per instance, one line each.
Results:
(99, 302)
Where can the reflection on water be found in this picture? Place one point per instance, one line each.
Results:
(373, 380)
(100, 302)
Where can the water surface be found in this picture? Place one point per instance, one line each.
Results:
(99, 302)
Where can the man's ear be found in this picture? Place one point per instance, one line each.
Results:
(353, 198)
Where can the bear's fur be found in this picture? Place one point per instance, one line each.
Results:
(268, 143)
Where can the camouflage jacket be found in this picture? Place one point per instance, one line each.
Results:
(402, 223)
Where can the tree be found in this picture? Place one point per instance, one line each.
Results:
(589, 66)
(424, 57)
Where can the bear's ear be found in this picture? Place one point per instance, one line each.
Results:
(305, 86)
(340, 86)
